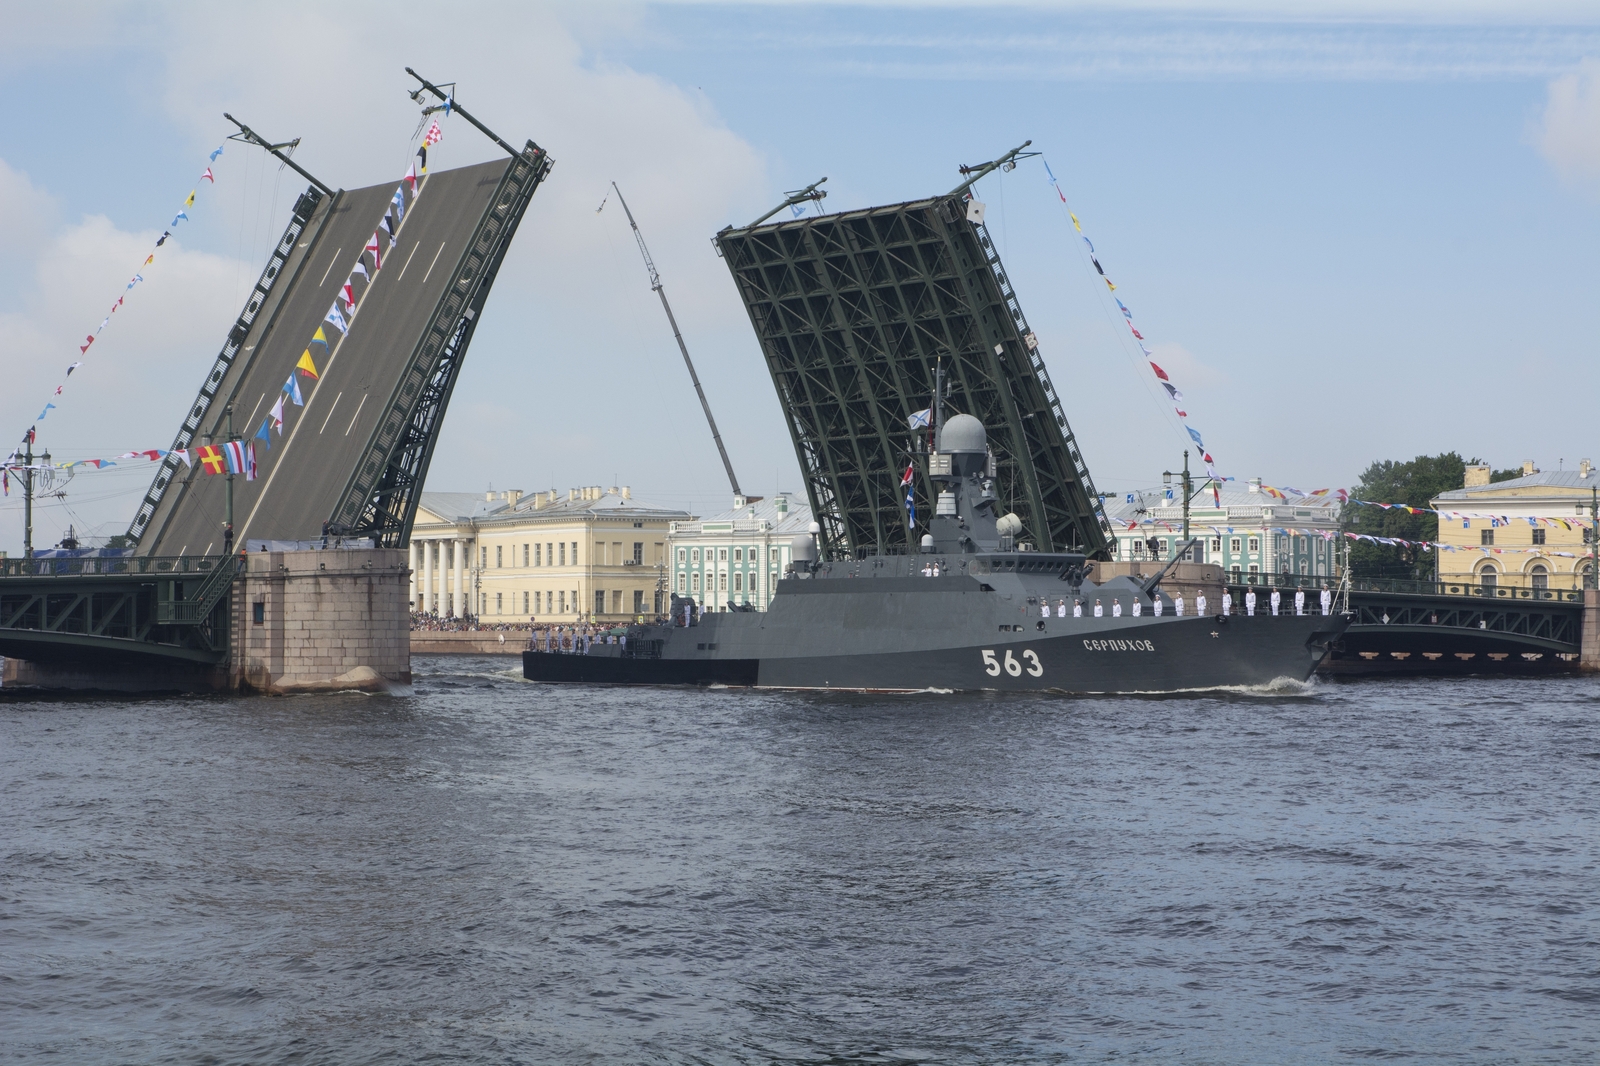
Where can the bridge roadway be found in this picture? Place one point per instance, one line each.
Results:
(308, 467)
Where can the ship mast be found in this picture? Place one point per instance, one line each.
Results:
(659, 290)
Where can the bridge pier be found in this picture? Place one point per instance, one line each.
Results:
(1589, 658)
(317, 621)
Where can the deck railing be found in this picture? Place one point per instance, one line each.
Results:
(102, 566)
(1400, 586)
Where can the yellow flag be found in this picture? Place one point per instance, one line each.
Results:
(1110, 286)
(306, 366)
(150, 260)
(190, 201)
(1074, 221)
(319, 338)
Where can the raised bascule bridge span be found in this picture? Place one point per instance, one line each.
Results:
(350, 462)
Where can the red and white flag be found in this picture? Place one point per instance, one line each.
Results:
(909, 474)
(432, 137)
(377, 256)
(411, 179)
(348, 295)
(208, 177)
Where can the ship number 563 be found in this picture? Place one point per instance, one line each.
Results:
(993, 666)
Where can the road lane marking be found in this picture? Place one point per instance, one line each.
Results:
(435, 260)
(256, 408)
(330, 412)
(402, 276)
(357, 415)
(325, 273)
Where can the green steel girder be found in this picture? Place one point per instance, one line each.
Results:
(1551, 626)
(177, 615)
(853, 312)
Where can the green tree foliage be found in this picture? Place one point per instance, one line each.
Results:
(1411, 483)
(1505, 475)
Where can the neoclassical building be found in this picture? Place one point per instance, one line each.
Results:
(737, 556)
(1526, 532)
(590, 555)
(1251, 532)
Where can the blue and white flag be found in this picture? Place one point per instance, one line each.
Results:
(921, 419)
(1195, 435)
(336, 320)
(292, 387)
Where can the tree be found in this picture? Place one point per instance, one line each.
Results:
(1505, 475)
(1411, 484)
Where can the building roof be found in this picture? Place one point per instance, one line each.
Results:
(515, 506)
(756, 516)
(1236, 497)
(461, 506)
(1563, 482)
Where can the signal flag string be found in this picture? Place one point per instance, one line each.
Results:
(13, 462)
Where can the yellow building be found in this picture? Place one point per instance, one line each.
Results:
(590, 555)
(1526, 533)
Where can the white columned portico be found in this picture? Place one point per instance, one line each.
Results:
(427, 576)
(458, 555)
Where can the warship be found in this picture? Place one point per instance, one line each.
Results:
(973, 610)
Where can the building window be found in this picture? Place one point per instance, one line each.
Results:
(638, 553)
(696, 579)
(524, 603)
(616, 601)
(1216, 544)
(1255, 544)
(722, 579)
(738, 579)
(258, 613)
(498, 556)
(1138, 548)
(563, 553)
(524, 556)
(722, 554)
(1236, 571)
(1233, 546)
(682, 556)
(1303, 566)
(772, 580)
(696, 554)
(1485, 536)
(499, 603)
(599, 601)
(485, 563)
(1538, 536)
(683, 584)
(538, 555)
(1488, 577)
(1539, 575)
(738, 555)
(574, 553)
(563, 603)
(638, 601)
(1254, 569)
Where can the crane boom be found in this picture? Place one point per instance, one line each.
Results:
(677, 335)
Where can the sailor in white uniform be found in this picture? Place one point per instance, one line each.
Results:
(1061, 608)
(1276, 600)
(1299, 601)
(1250, 603)
(1159, 605)
(1099, 611)
(1200, 605)
(1327, 601)
(1177, 604)
(1116, 608)
(1077, 608)
(1138, 607)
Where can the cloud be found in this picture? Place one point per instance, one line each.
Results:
(1186, 371)
(1568, 135)
(27, 215)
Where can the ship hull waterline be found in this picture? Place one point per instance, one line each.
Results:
(1091, 656)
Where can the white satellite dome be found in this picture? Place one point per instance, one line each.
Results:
(963, 433)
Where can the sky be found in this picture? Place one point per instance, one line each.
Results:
(1349, 232)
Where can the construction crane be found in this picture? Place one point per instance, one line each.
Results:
(656, 287)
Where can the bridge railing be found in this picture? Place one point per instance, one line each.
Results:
(103, 566)
(1404, 587)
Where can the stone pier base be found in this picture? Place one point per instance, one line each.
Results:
(1589, 657)
(321, 621)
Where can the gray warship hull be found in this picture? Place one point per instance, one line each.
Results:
(956, 632)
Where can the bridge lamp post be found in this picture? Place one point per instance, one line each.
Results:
(27, 496)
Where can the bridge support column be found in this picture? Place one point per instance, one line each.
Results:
(411, 561)
(1589, 658)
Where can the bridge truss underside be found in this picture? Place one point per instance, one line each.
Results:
(853, 313)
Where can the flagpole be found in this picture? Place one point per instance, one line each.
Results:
(227, 524)
(27, 500)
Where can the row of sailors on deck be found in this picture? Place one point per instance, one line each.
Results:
(1200, 605)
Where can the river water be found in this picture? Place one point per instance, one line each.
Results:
(489, 870)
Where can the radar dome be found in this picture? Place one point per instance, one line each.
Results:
(963, 433)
